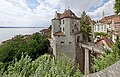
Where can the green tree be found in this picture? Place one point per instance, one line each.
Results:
(35, 45)
(85, 28)
(117, 6)
(101, 34)
(43, 66)
(108, 58)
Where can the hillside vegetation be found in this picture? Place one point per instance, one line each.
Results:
(34, 45)
(29, 56)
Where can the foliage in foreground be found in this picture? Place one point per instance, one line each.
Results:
(43, 66)
(108, 59)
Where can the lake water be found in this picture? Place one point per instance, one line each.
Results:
(8, 33)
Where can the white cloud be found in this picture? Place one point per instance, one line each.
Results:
(79, 5)
(17, 13)
(107, 8)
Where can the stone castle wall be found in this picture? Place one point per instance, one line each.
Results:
(111, 71)
(68, 50)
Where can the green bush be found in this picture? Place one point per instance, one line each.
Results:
(101, 34)
(34, 46)
(107, 59)
(43, 66)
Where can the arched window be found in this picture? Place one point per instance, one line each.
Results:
(62, 42)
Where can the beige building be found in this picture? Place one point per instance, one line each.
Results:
(109, 24)
(101, 27)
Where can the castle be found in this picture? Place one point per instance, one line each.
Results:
(65, 33)
(65, 37)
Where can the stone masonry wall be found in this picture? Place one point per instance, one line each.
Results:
(111, 71)
(69, 50)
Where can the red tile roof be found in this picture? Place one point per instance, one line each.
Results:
(59, 33)
(46, 32)
(108, 41)
(116, 33)
(59, 15)
(109, 19)
(67, 14)
(116, 27)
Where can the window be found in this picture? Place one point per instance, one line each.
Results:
(98, 28)
(94, 28)
(63, 22)
(102, 27)
(77, 29)
(63, 29)
(70, 42)
(75, 26)
(60, 28)
(62, 42)
(60, 22)
(78, 38)
(72, 30)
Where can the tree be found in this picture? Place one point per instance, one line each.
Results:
(117, 6)
(101, 34)
(108, 58)
(37, 45)
(85, 28)
(43, 66)
(34, 45)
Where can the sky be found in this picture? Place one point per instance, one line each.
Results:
(32, 13)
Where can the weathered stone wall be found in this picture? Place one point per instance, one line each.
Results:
(80, 58)
(111, 71)
(69, 50)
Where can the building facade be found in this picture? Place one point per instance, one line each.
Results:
(65, 33)
(109, 24)
(101, 27)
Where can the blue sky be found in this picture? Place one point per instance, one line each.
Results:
(92, 8)
(32, 3)
(40, 12)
